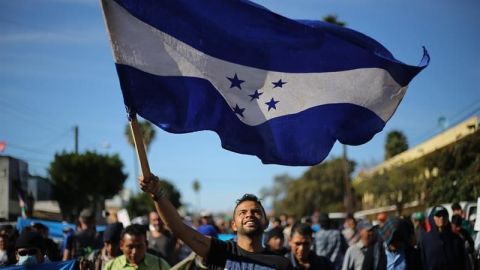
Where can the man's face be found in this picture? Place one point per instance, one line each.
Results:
(300, 246)
(112, 249)
(249, 219)
(37, 253)
(134, 248)
(155, 221)
(439, 220)
(275, 243)
(366, 236)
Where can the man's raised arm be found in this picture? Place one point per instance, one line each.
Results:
(199, 243)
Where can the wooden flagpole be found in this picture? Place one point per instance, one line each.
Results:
(139, 146)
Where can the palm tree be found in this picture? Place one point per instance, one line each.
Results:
(148, 135)
(196, 188)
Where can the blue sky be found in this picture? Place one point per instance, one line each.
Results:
(57, 71)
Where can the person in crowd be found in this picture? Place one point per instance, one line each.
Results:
(133, 243)
(4, 254)
(53, 252)
(399, 245)
(249, 222)
(275, 222)
(288, 228)
(29, 249)
(330, 242)
(457, 210)
(440, 248)
(7, 245)
(418, 219)
(110, 249)
(206, 218)
(350, 230)
(467, 240)
(194, 261)
(66, 247)
(355, 254)
(274, 241)
(381, 218)
(301, 255)
(86, 238)
(160, 240)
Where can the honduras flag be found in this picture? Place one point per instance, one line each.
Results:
(281, 89)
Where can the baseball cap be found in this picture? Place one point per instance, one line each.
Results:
(365, 225)
(208, 230)
(439, 211)
(29, 239)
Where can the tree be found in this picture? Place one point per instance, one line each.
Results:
(278, 191)
(320, 188)
(333, 19)
(146, 129)
(395, 144)
(196, 188)
(84, 180)
(148, 135)
(142, 204)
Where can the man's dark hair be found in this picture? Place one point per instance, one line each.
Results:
(456, 206)
(302, 229)
(134, 229)
(40, 227)
(457, 220)
(252, 198)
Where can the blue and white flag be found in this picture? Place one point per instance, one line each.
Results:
(281, 89)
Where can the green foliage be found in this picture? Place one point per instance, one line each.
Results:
(458, 168)
(395, 143)
(146, 129)
(333, 19)
(278, 191)
(446, 175)
(141, 204)
(84, 180)
(320, 188)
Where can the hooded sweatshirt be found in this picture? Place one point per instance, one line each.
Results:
(441, 249)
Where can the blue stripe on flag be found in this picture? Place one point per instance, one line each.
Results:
(187, 104)
(248, 34)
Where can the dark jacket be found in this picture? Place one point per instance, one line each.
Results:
(441, 250)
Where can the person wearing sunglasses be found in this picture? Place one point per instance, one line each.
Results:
(29, 248)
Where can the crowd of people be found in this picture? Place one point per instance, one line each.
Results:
(168, 241)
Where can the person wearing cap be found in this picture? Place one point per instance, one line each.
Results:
(355, 254)
(301, 255)
(53, 252)
(397, 251)
(86, 238)
(133, 243)
(330, 242)
(111, 246)
(29, 248)
(440, 248)
(274, 241)
(418, 219)
(249, 222)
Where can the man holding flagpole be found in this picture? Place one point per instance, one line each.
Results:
(249, 222)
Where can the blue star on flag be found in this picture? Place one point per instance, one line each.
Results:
(272, 104)
(255, 95)
(238, 110)
(235, 81)
(278, 84)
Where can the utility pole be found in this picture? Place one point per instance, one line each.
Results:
(348, 199)
(76, 139)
